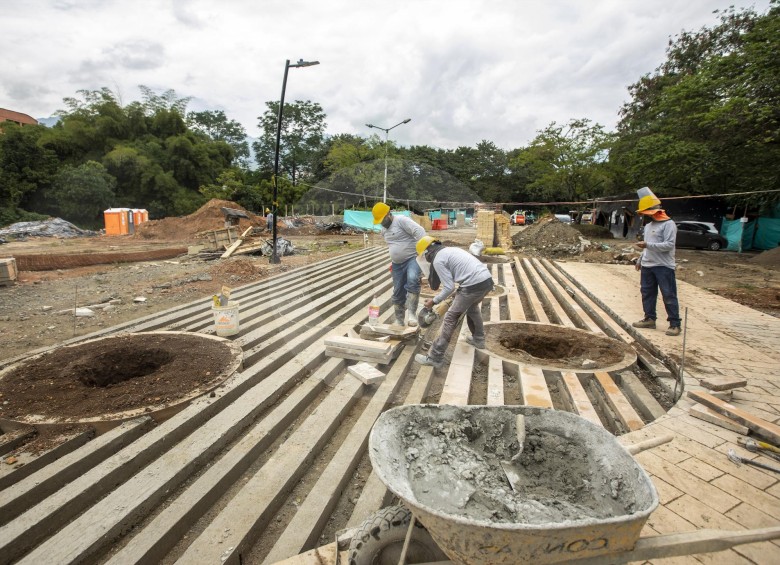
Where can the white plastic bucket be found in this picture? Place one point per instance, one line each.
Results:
(226, 319)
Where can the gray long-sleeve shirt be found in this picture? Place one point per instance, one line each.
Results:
(402, 237)
(454, 265)
(660, 238)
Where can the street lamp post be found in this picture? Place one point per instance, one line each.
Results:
(387, 134)
(275, 204)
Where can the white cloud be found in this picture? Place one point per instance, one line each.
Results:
(463, 71)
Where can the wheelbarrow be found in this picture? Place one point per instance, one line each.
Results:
(577, 496)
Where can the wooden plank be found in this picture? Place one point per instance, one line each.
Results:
(512, 294)
(495, 384)
(709, 415)
(536, 310)
(656, 368)
(367, 373)
(579, 397)
(533, 387)
(233, 246)
(640, 397)
(457, 386)
(391, 330)
(722, 383)
(358, 344)
(759, 426)
(619, 404)
(356, 355)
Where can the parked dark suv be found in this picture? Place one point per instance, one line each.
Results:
(699, 235)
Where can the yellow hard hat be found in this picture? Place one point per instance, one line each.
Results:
(379, 211)
(423, 244)
(647, 200)
(267, 210)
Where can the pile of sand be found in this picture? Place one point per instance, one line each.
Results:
(186, 228)
(550, 237)
(769, 258)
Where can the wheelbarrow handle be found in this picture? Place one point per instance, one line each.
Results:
(649, 443)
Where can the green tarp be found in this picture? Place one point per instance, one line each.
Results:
(762, 233)
(364, 220)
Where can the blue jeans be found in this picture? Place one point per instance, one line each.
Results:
(651, 280)
(406, 278)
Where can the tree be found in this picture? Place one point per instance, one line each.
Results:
(708, 119)
(303, 126)
(216, 126)
(83, 193)
(153, 102)
(567, 162)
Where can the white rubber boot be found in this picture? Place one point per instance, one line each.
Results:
(411, 309)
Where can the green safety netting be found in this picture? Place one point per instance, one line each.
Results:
(762, 233)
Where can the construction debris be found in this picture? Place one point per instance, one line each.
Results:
(359, 349)
(54, 227)
(759, 426)
(722, 383)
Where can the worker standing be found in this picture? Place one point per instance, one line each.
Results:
(450, 265)
(657, 263)
(269, 220)
(401, 234)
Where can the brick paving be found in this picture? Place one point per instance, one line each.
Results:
(699, 487)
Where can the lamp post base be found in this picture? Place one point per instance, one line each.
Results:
(274, 260)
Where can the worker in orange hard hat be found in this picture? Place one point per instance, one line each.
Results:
(401, 234)
(657, 263)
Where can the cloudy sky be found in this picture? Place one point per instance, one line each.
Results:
(462, 70)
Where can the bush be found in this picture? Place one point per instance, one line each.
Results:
(10, 216)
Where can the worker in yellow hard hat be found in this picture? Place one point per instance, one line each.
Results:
(269, 219)
(657, 263)
(448, 266)
(401, 234)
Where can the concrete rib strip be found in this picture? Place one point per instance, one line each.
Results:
(549, 296)
(256, 305)
(36, 487)
(158, 537)
(304, 529)
(235, 528)
(570, 306)
(47, 458)
(162, 319)
(39, 521)
(536, 310)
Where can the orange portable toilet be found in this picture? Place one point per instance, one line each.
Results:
(115, 220)
(140, 216)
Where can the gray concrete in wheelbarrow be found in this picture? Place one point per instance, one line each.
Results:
(192, 490)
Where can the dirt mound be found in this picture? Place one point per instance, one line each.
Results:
(185, 228)
(770, 258)
(549, 237)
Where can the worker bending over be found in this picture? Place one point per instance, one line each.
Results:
(450, 265)
(401, 234)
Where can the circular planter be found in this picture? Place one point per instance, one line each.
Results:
(105, 381)
(556, 348)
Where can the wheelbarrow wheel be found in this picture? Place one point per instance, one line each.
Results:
(380, 540)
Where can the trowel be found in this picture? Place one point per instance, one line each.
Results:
(509, 469)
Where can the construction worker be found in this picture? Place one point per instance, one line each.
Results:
(269, 220)
(401, 234)
(450, 265)
(657, 263)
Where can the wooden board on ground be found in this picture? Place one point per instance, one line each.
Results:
(709, 415)
(358, 355)
(367, 373)
(233, 246)
(534, 387)
(766, 430)
(656, 368)
(392, 330)
(618, 402)
(358, 344)
(722, 383)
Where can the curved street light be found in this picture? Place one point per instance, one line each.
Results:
(275, 204)
(387, 133)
